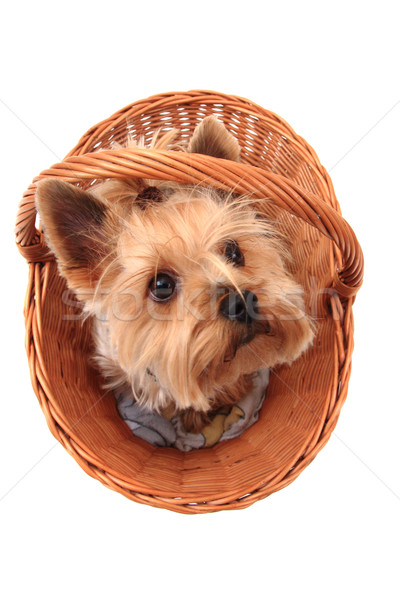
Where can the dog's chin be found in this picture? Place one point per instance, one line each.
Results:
(259, 349)
(245, 361)
(246, 354)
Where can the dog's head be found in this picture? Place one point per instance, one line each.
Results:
(191, 284)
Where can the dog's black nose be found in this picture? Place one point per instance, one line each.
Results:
(239, 306)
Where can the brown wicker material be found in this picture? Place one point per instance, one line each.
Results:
(303, 401)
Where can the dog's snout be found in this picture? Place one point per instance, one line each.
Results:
(239, 306)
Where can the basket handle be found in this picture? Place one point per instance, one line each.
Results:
(205, 170)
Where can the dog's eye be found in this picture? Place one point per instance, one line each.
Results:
(162, 287)
(234, 254)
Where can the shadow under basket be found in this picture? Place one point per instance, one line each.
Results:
(303, 401)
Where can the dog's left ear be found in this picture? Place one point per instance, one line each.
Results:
(212, 138)
(79, 228)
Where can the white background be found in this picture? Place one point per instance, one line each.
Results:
(332, 71)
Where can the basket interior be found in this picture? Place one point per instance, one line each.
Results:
(291, 419)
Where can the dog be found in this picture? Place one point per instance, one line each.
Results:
(189, 286)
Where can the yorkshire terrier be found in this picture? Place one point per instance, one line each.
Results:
(189, 286)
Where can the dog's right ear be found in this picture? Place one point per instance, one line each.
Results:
(79, 229)
(211, 137)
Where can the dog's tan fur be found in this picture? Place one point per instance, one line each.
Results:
(179, 355)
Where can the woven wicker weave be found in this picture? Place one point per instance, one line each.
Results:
(303, 401)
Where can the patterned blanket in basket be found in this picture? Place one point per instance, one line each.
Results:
(159, 431)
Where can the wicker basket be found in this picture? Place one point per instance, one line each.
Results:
(303, 401)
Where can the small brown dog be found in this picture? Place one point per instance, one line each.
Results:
(188, 285)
